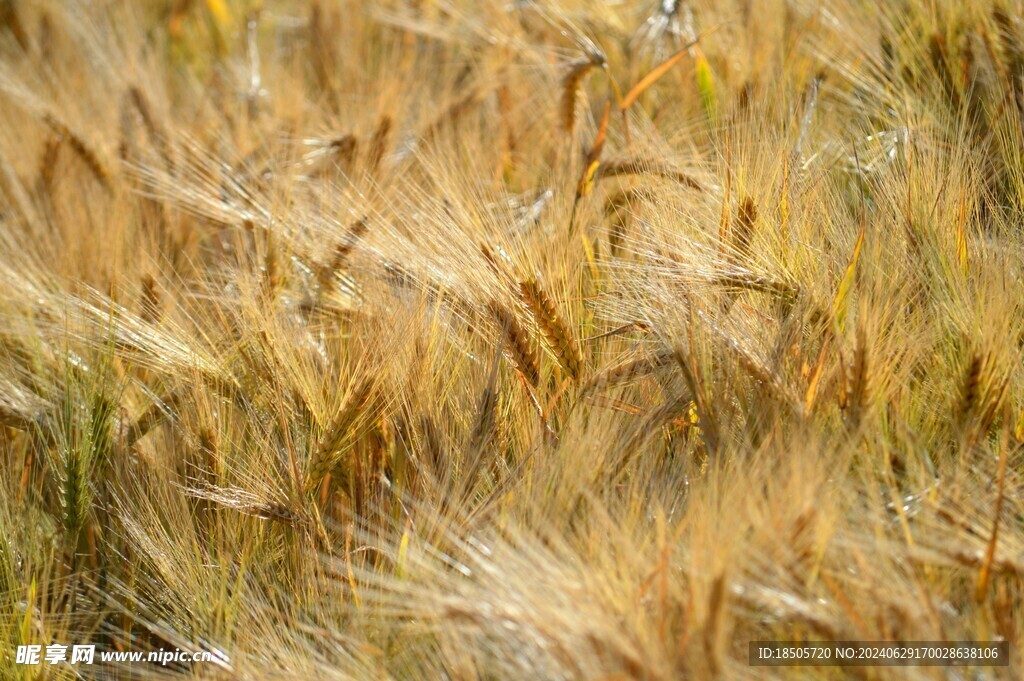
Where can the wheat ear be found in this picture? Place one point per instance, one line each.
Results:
(558, 336)
(635, 166)
(82, 149)
(331, 448)
(517, 345)
(578, 70)
(628, 371)
(379, 143)
(743, 235)
(342, 251)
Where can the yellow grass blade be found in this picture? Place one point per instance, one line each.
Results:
(586, 183)
(706, 88)
(839, 305)
(652, 77)
(602, 132)
(403, 553)
(219, 11)
(659, 71)
(961, 236)
(812, 387)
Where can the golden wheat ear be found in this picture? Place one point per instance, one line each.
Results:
(342, 251)
(571, 83)
(338, 437)
(83, 149)
(559, 337)
(640, 166)
(517, 343)
(628, 371)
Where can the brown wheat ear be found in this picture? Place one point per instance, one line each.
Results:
(379, 143)
(340, 151)
(150, 301)
(558, 336)
(628, 371)
(82, 149)
(10, 18)
(743, 235)
(970, 394)
(578, 70)
(157, 135)
(246, 502)
(338, 434)
(48, 161)
(859, 378)
(517, 344)
(635, 166)
(343, 250)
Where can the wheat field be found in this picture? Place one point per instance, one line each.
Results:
(500, 339)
